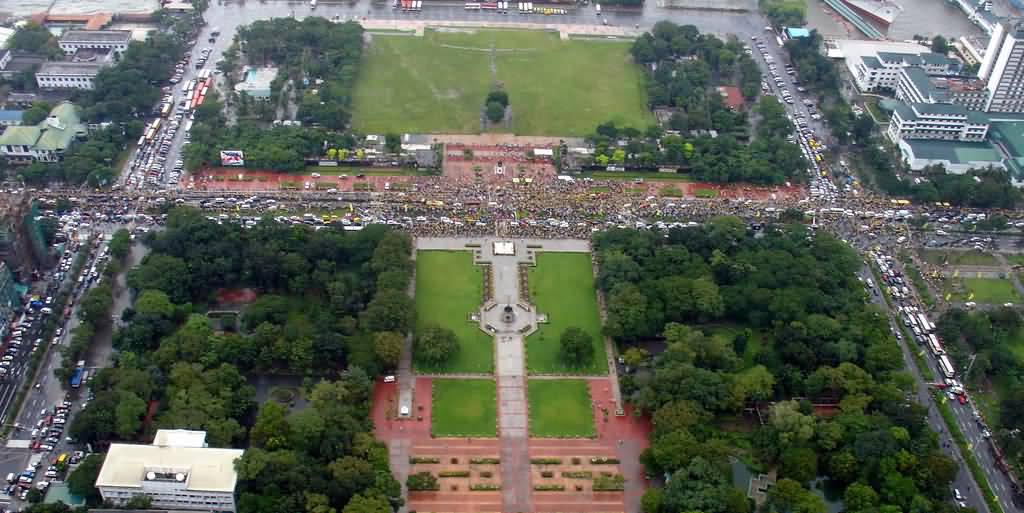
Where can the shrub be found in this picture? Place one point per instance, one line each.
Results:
(453, 473)
(486, 473)
(419, 459)
(609, 483)
(549, 488)
(603, 460)
(579, 474)
(422, 481)
(575, 461)
(546, 461)
(547, 473)
(485, 461)
(484, 487)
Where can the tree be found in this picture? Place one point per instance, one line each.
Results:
(392, 142)
(495, 112)
(940, 45)
(271, 427)
(367, 504)
(96, 304)
(352, 474)
(35, 114)
(120, 244)
(387, 345)
(576, 347)
(421, 481)
(82, 480)
(799, 464)
(389, 310)
(34, 496)
(130, 409)
(436, 344)
(498, 96)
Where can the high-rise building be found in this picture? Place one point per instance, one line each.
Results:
(1003, 67)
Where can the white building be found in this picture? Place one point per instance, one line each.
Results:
(114, 40)
(177, 471)
(1003, 67)
(937, 121)
(882, 70)
(69, 75)
(917, 86)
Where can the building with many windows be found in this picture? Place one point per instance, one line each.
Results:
(941, 121)
(917, 86)
(46, 141)
(881, 70)
(69, 75)
(114, 40)
(1003, 67)
(178, 471)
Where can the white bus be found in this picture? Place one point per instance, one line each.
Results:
(946, 367)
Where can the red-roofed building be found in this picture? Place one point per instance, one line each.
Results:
(731, 97)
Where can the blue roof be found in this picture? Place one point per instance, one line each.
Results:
(11, 115)
(797, 32)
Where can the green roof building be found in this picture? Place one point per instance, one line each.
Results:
(46, 141)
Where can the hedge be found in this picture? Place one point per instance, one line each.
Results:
(419, 459)
(602, 460)
(579, 474)
(546, 461)
(485, 461)
(484, 487)
(453, 473)
(549, 488)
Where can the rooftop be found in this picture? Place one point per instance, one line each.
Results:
(89, 69)
(203, 469)
(11, 115)
(96, 36)
(940, 109)
(797, 32)
(872, 62)
(54, 133)
(179, 438)
(954, 152)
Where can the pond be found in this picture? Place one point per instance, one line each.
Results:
(830, 491)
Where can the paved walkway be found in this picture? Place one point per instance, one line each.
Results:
(406, 380)
(564, 30)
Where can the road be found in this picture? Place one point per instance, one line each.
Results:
(965, 419)
(51, 391)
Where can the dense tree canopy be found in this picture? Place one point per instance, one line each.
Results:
(174, 366)
(772, 319)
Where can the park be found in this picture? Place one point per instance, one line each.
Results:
(437, 83)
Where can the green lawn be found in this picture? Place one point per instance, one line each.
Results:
(464, 407)
(562, 286)
(1014, 258)
(560, 408)
(972, 257)
(448, 288)
(992, 291)
(754, 347)
(437, 83)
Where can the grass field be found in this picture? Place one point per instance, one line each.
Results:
(437, 83)
(560, 408)
(1014, 258)
(754, 347)
(464, 407)
(992, 291)
(562, 286)
(972, 257)
(448, 288)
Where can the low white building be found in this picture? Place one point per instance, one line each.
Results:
(941, 121)
(69, 75)
(114, 40)
(177, 471)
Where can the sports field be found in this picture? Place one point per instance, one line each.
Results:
(992, 291)
(560, 408)
(437, 83)
(448, 288)
(562, 286)
(464, 407)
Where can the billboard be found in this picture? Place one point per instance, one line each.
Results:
(232, 158)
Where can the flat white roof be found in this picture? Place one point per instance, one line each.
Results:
(207, 469)
(543, 152)
(179, 438)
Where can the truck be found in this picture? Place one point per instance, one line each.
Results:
(76, 377)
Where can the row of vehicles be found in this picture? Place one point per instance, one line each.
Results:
(813, 151)
(523, 8)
